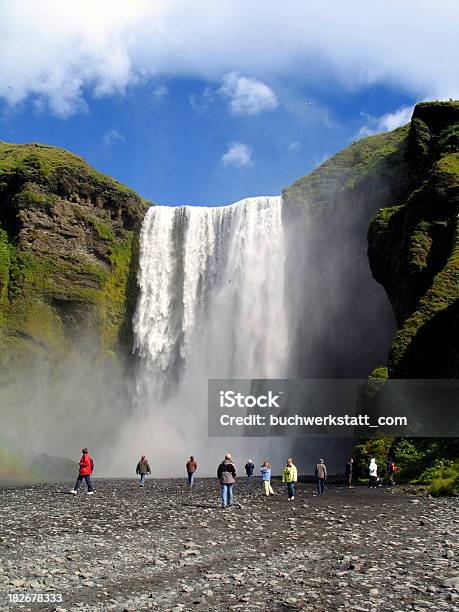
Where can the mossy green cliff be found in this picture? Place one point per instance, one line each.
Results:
(404, 185)
(414, 249)
(68, 256)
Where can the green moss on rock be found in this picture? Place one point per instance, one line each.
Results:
(68, 249)
(414, 250)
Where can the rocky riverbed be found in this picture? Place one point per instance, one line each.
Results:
(168, 547)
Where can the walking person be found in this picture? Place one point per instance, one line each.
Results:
(266, 478)
(349, 467)
(191, 467)
(142, 469)
(226, 474)
(249, 468)
(373, 473)
(290, 476)
(390, 471)
(321, 475)
(85, 471)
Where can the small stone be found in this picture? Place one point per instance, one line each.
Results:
(373, 592)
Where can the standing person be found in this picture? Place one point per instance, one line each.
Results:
(390, 471)
(290, 476)
(349, 467)
(249, 467)
(86, 469)
(266, 478)
(321, 475)
(142, 469)
(191, 467)
(373, 473)
(226, 474)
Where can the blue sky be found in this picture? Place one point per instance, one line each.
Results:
(201, 103)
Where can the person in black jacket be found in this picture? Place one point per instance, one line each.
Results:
(226, 474)
(249, 467)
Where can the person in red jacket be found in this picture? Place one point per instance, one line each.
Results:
(86, 468)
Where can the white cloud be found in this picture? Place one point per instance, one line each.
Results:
(247, 96)
(385, 123)
(294, 146)
(112, 137)
(238, 154)
(58, 52)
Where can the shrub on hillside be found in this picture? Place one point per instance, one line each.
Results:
(442, 487)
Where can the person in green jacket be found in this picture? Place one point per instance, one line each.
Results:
(290, 476)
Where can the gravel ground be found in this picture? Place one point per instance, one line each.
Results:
(168, 547)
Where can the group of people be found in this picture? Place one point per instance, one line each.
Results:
(375, 480)
(226, 474)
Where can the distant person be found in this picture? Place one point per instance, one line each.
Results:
(266, 479)
(321, 475)
(142, 469)
(86, 469)
(373, 473)
(349, 468)
(191, 467)
(249, 468)
(290, 476)
(390, 471)
(226, 474)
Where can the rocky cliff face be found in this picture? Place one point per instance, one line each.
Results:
(68, 256)
(414, 249)
(403, 185)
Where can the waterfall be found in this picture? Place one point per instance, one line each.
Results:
(211, 294)
(258, 289)
(211, 305)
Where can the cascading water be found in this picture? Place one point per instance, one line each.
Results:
(211, 294)
(211, 306)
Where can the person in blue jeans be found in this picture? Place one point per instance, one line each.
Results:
(249, 467)
(290, 476)
(191, 467)
(226, 474)
(142, 469)
(321, 475)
